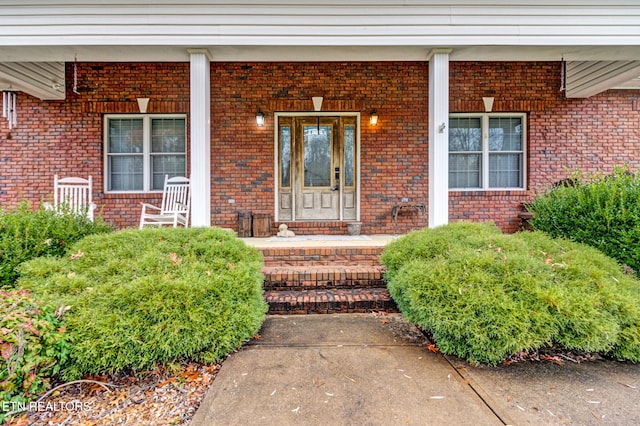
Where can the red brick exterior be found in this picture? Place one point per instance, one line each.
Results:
(66, 137)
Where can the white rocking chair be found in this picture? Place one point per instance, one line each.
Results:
(73, 195)
(176, 203)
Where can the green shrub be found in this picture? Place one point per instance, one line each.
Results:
(26, 234)
(485, 295)
(32, 346)
(601, 211)
(141, 297)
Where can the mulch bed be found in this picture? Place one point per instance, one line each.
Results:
(160, 397)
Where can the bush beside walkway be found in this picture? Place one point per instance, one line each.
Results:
(484, 295)
(140, 297)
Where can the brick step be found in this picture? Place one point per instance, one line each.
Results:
(291, 256)
(317, 277)
(329, 301)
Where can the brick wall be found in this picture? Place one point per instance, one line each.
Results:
(590, 134)
(393, 154)
(66, 137)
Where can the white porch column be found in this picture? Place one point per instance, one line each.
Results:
(438, 137)
(200, 111)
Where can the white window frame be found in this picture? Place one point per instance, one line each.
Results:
(146, 149)
(484, 127)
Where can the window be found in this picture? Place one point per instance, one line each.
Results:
(486, 151)
(142, 149)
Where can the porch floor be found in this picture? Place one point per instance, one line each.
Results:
(321, 241)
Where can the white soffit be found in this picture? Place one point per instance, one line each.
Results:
(588, 78)
(44, 80)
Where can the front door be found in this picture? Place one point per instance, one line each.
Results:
(318, 179)
(317, 160)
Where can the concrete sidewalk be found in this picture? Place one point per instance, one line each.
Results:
(368, 369)
(347, 369)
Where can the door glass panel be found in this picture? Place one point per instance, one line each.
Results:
(317, 156)
(285, 156)
(349, 155)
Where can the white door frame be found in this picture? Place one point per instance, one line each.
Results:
(276, 154)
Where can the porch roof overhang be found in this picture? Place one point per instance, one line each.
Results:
(601, 43)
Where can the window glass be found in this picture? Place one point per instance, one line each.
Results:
(465, 171)
(126, 173)
(168, 135)
(161, 165)
(505, 134)
(125, 135)
(285, 156)
(505, 170)
(317, 156)
(465, 134)
(349, 155)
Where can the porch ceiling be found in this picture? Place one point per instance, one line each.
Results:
(39, 71)
(587, 78)
(44, 80)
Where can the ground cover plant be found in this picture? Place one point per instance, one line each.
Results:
(33, 345)
(485, 296)
(26, 234)
(136, 298)
(600, 210)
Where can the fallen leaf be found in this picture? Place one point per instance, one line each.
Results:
(629, 386)
(190, 376)
(119, 399)
(432, 347)
(174, 258)
(166, 382)
(77, 255)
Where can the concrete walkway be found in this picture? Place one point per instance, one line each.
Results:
(372, 369)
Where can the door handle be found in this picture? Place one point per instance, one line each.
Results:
(336, 177)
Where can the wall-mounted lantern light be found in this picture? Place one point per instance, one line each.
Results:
(373, 118)
(260, 118)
